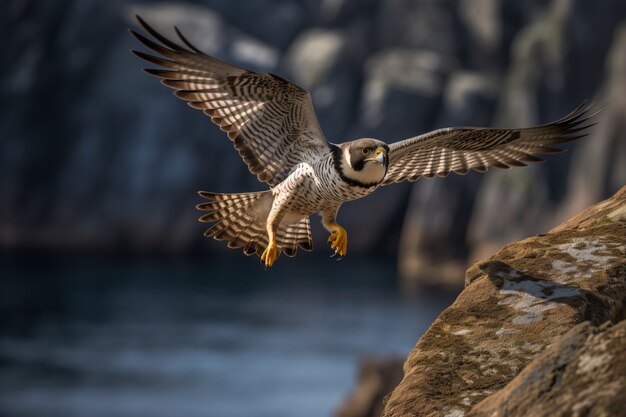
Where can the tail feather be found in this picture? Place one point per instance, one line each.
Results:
(254, 245)
(289, 237)
(305, 239)
(240, 220)
(239, 240)
(297, 235)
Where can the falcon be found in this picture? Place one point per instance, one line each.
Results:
(272, 124)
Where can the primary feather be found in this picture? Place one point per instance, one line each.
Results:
(270, 120)
(461, 149)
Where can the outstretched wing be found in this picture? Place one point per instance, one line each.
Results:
(460, 149)
(270, 121)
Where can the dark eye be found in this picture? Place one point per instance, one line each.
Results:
(365, 151)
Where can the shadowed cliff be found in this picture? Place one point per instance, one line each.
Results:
(538, 330)
(97, 155)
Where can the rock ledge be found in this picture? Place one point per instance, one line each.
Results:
(514, 311)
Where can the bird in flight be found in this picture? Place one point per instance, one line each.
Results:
(272, 124)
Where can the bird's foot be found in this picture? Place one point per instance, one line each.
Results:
(338, 240)
(269, 255)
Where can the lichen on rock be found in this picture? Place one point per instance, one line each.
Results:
(584, 373)
(514, 306)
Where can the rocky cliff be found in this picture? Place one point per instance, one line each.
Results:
(580, 375)
(95, 154)
(531, 333)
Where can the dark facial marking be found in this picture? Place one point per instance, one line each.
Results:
(357, 159)
(337, 161)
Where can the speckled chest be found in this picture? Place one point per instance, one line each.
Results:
(317, 186)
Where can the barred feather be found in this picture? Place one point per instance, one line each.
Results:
(460, 149)
(294, 236)
(234, 220)
(270, 121)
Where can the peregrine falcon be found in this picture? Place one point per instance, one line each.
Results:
(272, 124)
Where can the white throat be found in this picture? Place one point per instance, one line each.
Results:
(372, 172)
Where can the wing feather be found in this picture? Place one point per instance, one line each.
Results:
(461, 149)
(270, 121)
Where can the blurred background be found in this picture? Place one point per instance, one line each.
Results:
(113, 303)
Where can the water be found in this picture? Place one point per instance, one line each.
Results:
(101, 337)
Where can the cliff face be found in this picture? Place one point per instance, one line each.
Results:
(95, 154)
(581, 374)
(505, 339)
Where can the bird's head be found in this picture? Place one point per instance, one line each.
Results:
(364, 160)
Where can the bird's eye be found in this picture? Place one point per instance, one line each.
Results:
(365, 151)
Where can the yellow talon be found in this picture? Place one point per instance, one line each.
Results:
(338, 240)
(269, 255)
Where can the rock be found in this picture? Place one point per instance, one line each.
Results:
(432, 252)
(605, 149)
(481, 18)
(208, 31)
(377, 378)
(546, 59)
(422, 24)
(541, 84)
(515, 304)
(401, 93)
(510, 204)
(583, 374)
(340, 12)
(274, 22)
(325, 62)
(469, 98)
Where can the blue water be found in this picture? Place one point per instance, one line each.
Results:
(95, 337)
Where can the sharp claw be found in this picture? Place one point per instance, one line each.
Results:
(338, 241)
(267, 257)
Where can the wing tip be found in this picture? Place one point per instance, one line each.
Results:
(206, 194)
(155, 72)
(165, 42)
(185, 41)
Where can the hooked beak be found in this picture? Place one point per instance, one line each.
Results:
(378, 156)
